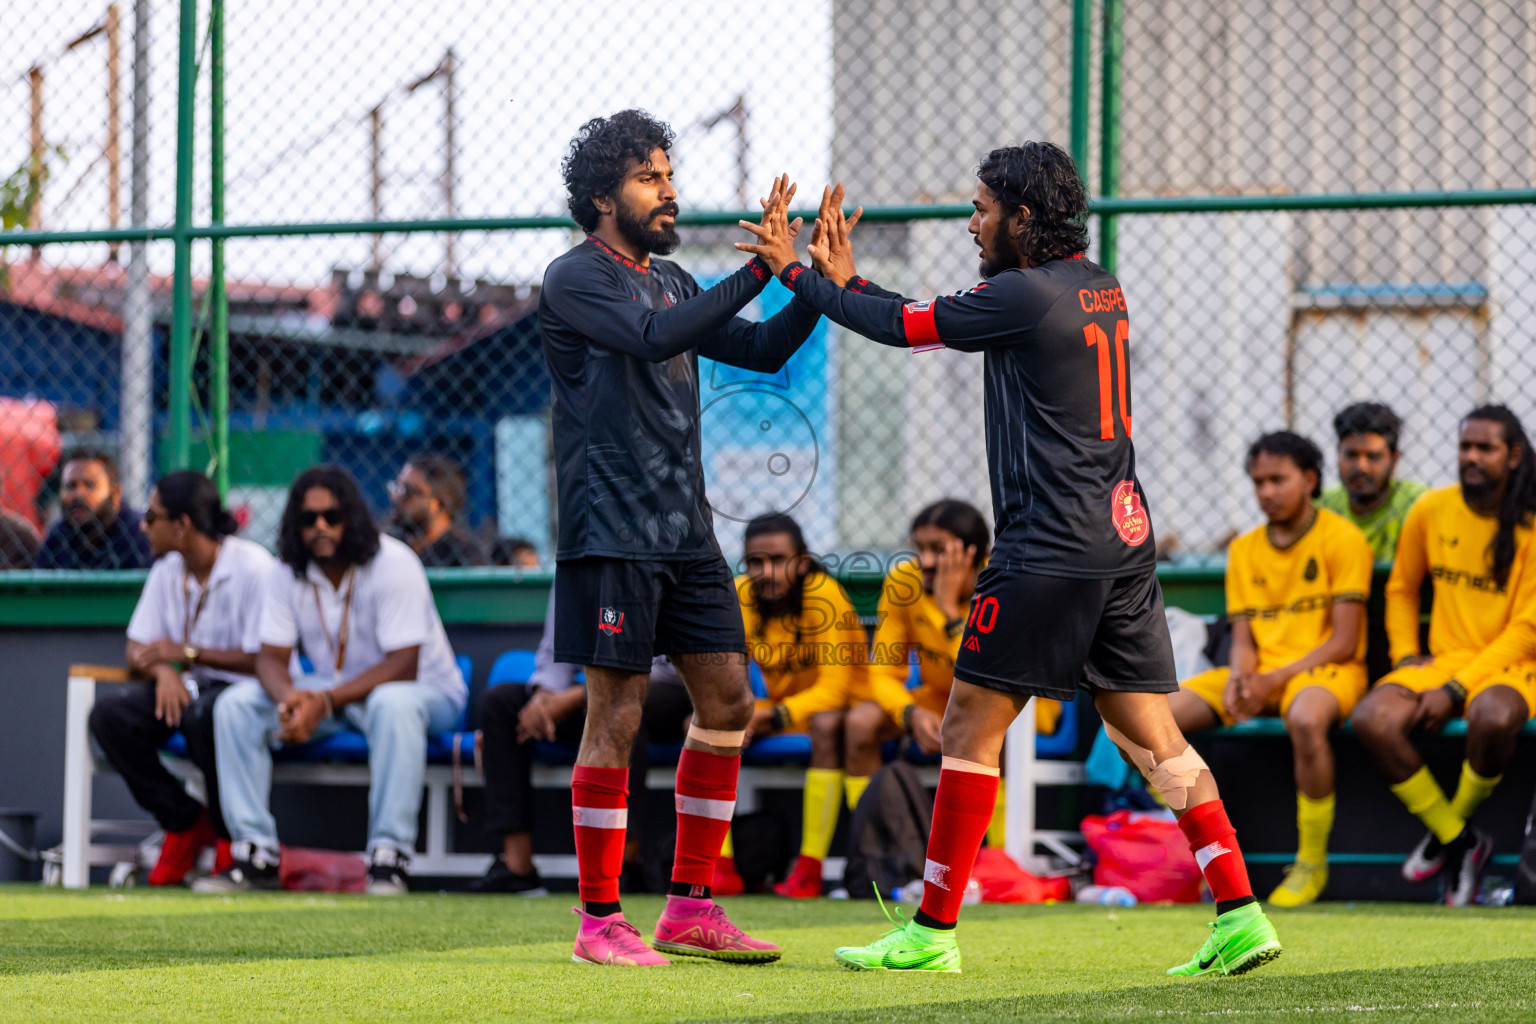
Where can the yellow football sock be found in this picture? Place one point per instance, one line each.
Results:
(822, 803)
(728, 848)
(1472, 790)
(1422, 795)
(853, 788)
(998, 829)
(1314, 820)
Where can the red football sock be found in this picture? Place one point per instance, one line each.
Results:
(706, 799)
(1213, 841)
(600, 816)
(962, 810)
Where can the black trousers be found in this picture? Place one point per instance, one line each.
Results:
(508, 764)
(124, 724)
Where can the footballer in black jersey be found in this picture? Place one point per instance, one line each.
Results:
(1069, 598)
(638, 571)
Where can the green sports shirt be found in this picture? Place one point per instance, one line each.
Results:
(1382, 525)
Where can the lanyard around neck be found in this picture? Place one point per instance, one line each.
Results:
(189, 619)
(338, 647)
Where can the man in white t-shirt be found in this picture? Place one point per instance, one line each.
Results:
(194, 632)
(358, 605)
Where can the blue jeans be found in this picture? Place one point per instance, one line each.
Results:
(396, 718)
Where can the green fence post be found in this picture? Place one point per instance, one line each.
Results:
(1082, 67)
(219, 347)
(1109, 129)
(181, 295)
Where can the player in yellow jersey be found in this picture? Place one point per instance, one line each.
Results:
(1296, 591)
(1475, 542)
(803, 633)
(923, 605)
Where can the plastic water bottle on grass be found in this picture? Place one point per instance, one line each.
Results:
(912, 892)
(1107, 895)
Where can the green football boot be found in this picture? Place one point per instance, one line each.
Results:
(907, 947)
(1241, 940)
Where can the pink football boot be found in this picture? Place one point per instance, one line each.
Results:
(612, 941)
(690, 927)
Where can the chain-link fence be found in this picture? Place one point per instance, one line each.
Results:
(1319, 202)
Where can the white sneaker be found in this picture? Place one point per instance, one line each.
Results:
(387, 872)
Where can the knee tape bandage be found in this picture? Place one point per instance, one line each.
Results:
(1172, 778)
(717, 737)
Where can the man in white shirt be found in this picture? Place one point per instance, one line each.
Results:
(193, 633)
(359, 606)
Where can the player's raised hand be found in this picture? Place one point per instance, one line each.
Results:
(775, 234)
(831, 252)
(783, 192)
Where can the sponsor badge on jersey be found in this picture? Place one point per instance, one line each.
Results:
(1131, 520)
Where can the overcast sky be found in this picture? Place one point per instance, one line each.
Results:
(301, 78)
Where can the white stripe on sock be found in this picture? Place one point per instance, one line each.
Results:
(600, 817)
(936, 873)
(1206, 854)
(720, 810)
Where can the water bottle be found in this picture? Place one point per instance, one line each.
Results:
(912, 892)
(1107, 895)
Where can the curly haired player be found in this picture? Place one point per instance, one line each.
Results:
(638, 571)
(1070, 596)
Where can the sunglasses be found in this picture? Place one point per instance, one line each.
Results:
(151, 517)
(309, 517)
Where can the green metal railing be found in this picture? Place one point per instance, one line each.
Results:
(183, 233)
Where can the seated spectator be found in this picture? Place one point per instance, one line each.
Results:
(1296, 590)
(805, 636)
(922, 611)
(1369, 494)
(552, 707)
(426, 500)
(18, 541)
(517, 552)
(1475, 541)
(97, 530)
(360, 605)
(193, 633)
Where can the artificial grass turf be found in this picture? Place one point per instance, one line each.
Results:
(173, 956)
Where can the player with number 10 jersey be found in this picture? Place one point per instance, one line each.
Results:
(1070, 597)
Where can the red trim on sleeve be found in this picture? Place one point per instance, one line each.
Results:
(918, 323)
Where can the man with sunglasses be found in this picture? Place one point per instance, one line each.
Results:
(358, 605)
(425, 501)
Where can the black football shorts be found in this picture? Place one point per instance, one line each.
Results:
(1048, 636)
(620, 613)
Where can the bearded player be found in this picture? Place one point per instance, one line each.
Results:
(638, 571)
(1070, 597)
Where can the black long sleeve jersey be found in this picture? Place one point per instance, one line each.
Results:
(1065, 496)
(622, 343)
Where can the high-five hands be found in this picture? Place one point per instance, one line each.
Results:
(831, 254)
(775, 233)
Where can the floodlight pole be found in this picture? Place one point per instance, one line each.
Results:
(136, 406)
(219, 342)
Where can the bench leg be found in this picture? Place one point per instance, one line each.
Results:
(78, 770)
(1019, 779)
(437, 819)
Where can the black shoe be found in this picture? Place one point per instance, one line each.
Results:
(387, 872)
(501, 878)
(1467, 856)
(254, 869)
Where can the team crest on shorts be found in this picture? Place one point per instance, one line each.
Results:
(610, 620)
(1131, 520)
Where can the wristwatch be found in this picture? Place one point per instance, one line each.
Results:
(190, 653)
